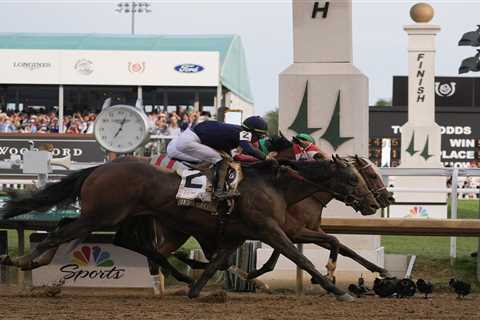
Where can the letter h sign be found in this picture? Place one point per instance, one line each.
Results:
(317, 9)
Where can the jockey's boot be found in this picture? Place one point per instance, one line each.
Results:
(221, 170)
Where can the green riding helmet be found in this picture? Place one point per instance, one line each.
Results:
(305, 137)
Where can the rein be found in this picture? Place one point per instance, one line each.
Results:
(349, 199)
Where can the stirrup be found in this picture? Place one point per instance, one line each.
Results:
(224, 195)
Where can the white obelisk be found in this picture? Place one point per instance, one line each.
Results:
(421, 139)
(323, 94)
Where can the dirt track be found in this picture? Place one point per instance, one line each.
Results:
(86, 304)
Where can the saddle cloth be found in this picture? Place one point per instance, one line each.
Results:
(196, 187)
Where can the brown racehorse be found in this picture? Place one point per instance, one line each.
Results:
(308, 214)
(303, 218)
(113, 192)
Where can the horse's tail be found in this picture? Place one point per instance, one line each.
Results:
(64, 192)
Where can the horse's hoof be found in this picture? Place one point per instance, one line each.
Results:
(345, 298)
(181, 292)
(263, 287)
(193, 294)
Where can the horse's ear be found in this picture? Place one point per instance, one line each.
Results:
(357, 157)
(281, 135)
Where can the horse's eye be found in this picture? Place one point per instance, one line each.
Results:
(373, 176)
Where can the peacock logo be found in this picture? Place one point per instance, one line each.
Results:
(417, 212)
(92, 263)
(92, 256)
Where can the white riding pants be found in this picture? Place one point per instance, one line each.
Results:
(187, 146)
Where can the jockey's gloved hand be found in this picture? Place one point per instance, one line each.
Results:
(271, 155)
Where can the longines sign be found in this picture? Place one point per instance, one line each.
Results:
(103, 67)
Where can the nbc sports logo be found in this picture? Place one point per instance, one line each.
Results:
(92, 255)
(91, 263)
(417, 212)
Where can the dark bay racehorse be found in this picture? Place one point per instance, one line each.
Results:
(303, 224)
(111, 193)
(308, 213)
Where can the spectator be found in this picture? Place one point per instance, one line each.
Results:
(166, 123)
(185, 124)
(161, 126)
(174, 129)
(6, 124)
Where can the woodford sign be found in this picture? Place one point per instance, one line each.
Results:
(80, 148)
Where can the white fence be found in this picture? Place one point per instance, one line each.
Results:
(454, 190)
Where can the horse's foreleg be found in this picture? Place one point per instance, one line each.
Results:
(274, 236)
(30, 261)
(167, 267)
(267, 267)
(318, 237)
(347, 252)
(220, 261)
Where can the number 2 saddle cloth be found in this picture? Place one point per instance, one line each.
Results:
(196, 186)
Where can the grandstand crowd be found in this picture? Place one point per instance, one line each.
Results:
(165, 123)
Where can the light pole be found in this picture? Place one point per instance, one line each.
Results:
(133, 7)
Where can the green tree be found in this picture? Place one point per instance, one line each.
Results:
(272, 120)
(383, 103)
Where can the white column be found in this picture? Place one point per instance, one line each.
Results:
(421, 137)
(421, 73)
(60, 109)
(322, 93)
(421, 127)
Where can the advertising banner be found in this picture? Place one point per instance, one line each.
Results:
(449, 92)
(80, 148)
(94, 263)
(102, 67)
(460, 142)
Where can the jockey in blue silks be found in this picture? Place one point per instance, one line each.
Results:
(203, 142)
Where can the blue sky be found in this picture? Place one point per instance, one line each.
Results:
(379, 42)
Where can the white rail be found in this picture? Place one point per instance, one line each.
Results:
(454, 173)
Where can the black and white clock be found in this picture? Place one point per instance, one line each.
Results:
(122, 128)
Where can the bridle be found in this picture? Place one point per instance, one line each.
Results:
(377, 193)
(349, 199)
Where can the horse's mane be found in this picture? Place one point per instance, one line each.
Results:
(260, 165)
(306, 164)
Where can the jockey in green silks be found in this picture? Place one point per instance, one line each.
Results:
(304, 148)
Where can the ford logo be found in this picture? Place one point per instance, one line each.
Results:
(189, 68)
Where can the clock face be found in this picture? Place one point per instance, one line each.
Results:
(121, 129)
